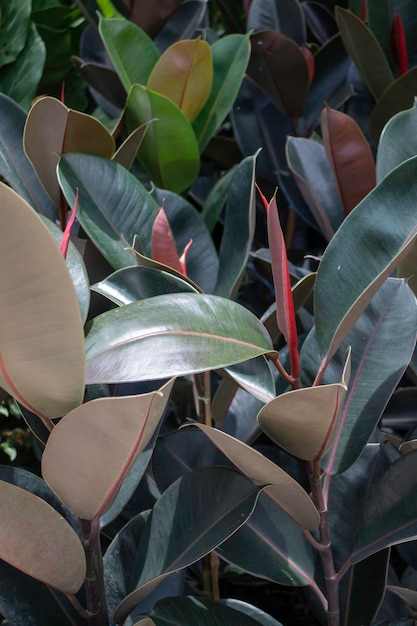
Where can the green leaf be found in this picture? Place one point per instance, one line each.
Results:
(230, 58)
(398, 141)
(56, 557)
(283, 490)
(20, 80)
(397, 97)
(278, 67)
(239, 229)
(42, 345)
(285, 16)
(365, 52)
(189, 610)
(113, 205)
(275, 548)
(366, 582)
(174, 335)
(252, 611)
(390, 511)
(15, 167)
(361, 255)
(184, 74)
(125, 44)
(76, 476)
(312, 171)
(15, 25)
(254, 376)
(379, 16)
(192, 517)
(169, 150)
(137, 283)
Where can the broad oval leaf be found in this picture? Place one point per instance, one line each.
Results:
(193, 516)
(365, 52)
(125, 44)
(15, 28)
(369, 244)
(398, 141)
(55, 557)
(113, 205)
(304, 421)
(42, 343)
(398, 96)
(350, 156)
(184, 74)
(85, 441)
(51, 130)
(283, 490)
(169, 151)
(171, 335)
(230, 59)
(280, 69)
(15, 167)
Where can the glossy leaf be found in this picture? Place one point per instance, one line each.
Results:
(230, 59)
(378, 17)
(169, 151)
(275, 547)
(77, 478)
(113, 205)
(189, 610)
(125, 44)
(42, 345)
(239, 229)
(398, 141)
(253, 611)
(193, 516)
(350, 157)
(184, 74)
(279, 68)
(104, 81)
(283, 490)
(184, 23)
(285, 16)
(164, 249)
(367, 584)
(304, 421)
(365, 52)
(253, 376)
(51, 130)
(14, 164)
(320, 21)
(125, 155)
(56, 557)
(14, 30)
(399, 96)
(20, 80)
(152, 17)
(390, 514)
(376, 251)
(137, 283)
(312, 171)
(163, 329)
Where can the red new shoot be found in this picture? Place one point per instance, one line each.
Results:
(164, 248)
(63, 246)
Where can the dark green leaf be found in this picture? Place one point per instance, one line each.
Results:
(20, 80)
(113, 205)
(239, 229)
(379, 17)
(398, 141)
(285, 16)
(183, 23)
(255, 376)
(14, 165)
(390, 511)
(171, 335)
(399, 96)
(230, 59)
(15, 24)
(365, 52)
(169, 150)
(361, 256)
(252, 611)
(270, 545)
(191, 518)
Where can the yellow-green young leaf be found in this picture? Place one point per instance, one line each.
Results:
(37, 540)
(350, 156)
(184, 74)
(92, 448)
(51, 130)
(42, 353)
(282, 489)
(304, 421)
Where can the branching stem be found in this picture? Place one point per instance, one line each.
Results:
(94, 580)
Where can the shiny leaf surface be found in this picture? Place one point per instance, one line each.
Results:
(398, 141)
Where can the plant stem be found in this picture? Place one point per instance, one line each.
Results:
(94, 580)
(326, 553)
